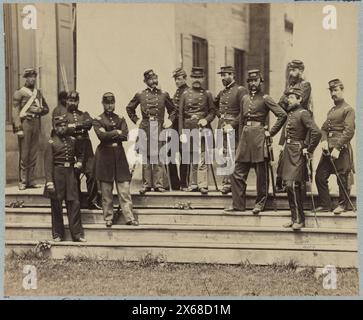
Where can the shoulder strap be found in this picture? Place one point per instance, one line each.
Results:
(33, 96)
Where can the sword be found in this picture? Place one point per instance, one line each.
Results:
(310, 177)
(328, 154)
(270, 158)
(211, 165)
(167, 166)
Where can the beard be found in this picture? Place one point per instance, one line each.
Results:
(72, 107)
(253, 87)
(226, 82)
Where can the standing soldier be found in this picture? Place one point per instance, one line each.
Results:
(111, 163)
(295, 154)
(29, 106)
(153, 102)
(295, 79)
(337, 132)
(255, 107)
(228, 108)
(196, 111)
(60, 160)
(181, 182)
(79, 123)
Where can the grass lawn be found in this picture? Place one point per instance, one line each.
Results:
(77, 276)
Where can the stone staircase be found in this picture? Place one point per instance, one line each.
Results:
(200, 233)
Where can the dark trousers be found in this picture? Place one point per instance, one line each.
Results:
(239, 184)
(295, 196)
(28, 149)
(323, 172)
(181, 180)
(74, 219)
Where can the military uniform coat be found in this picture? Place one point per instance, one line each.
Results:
(228, 105)
(338, 130)
(176, 100)
(37, 109)
(79, 123)
(153, 103)
(306, 101)
(195, 104)
(111, 161)
(255, 108)
(293, 163)
(60, 151)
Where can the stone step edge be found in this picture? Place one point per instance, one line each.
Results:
(100, 226)
(211, 193)
(171, 211)
(195, 245)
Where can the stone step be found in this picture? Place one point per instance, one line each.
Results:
(214, 200)
(188, 252)
(196, 234)
(207, 217)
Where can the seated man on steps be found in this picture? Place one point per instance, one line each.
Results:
(60, 161)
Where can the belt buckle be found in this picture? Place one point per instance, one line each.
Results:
(67, 164)
(194, 116)
(152, 118)
(114, 144)
(249, 123)
(222, 116)
(288, 140)
(330, 134)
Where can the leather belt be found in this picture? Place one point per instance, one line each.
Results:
(228, 116)
(194, 117)
(291, 141)
(253, 123)
(32, 116)
(66, 164)
(330, 132)
(111, 145)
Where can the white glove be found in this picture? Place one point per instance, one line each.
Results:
(119, 132)
(324, 145)
(202, 122)
(335, 153)
(267, 133)
(78, 165)
(227, 128)
(71, 125)
(183, 138)
(20, 134)
(167, 123)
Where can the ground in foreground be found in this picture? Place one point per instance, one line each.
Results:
(77, 276)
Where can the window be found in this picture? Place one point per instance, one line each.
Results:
(200, 56)
(240, 66)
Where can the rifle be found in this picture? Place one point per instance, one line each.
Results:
(270, 157)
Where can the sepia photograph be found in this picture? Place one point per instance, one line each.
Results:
(180, 149)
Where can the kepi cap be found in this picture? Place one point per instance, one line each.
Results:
(254, 74)
(60, 120)
(148, 74)
(108, 97)
(296, 64)
(295, 91)
(179, 72)
(226, 69)
(334, 83)
(197, 72)
(29, 72)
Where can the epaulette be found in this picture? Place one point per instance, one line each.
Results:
(99, 118)
(50, 141)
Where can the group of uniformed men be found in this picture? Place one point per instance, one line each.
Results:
(69, 154)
